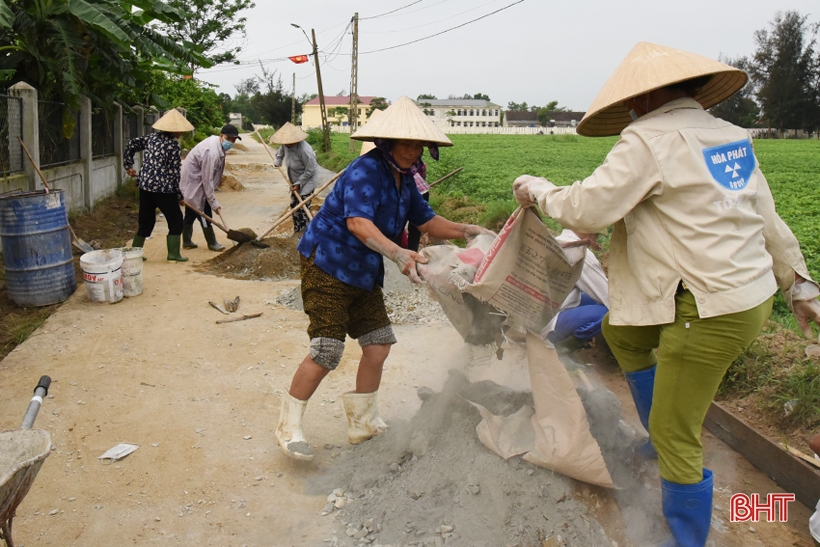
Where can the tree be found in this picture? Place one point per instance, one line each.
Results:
(377, 103)
(209, 24)
(468, 97)
(517, 107)
(199, 99)
(481, 97)
(340, 113)
(739, 109)
(103, 49)
(784, 72)
(272, 103)
(426, 96)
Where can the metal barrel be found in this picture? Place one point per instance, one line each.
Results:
(36, 246)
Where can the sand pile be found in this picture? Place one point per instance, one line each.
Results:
(279, 261)
(230, 183)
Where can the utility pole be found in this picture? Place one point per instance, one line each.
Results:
(293, 102)
(354, 80)
(325, 126)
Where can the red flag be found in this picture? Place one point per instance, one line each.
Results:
(299, 59)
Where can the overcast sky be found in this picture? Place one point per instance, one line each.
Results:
(534, 51)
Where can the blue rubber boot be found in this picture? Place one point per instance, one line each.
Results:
(642, 384)
(688, 511)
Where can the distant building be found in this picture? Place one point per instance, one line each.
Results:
(521, 118)
(461, 112)
(312, 115)
(564, 119)
(236, 119)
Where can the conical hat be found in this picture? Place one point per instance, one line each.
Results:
(367, 146)
(173, 122)
(288, 134)
(402, 120)
(649, 67)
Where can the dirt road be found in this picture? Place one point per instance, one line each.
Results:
(201, 400)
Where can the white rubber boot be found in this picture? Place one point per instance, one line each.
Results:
(363, 421)
(289, 430)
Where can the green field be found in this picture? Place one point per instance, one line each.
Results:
(492, 162)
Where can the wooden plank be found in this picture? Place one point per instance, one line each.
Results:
(790, 473)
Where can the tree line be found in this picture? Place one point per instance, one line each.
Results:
(783, 92)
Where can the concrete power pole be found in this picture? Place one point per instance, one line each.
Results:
(354, 80)
(325, 126)
(293, 102)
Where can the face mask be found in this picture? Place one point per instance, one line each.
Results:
(227, 145)
(633, 115)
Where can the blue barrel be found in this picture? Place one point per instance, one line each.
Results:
(37, 248)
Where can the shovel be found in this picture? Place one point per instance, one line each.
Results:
(240, 236)
(289, 213)
(79, 243)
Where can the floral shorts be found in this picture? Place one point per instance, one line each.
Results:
(337, 309)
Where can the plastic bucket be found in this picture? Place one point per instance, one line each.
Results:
(36, 248)
(102, 271)
(132, 271)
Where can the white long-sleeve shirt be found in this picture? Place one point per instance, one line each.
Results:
(202, 172)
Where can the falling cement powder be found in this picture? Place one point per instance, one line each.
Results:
(431, 482)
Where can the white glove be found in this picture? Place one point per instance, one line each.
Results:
(473, 230)
(407, 261)
(805, 305)
(277, 164)
(528, 189)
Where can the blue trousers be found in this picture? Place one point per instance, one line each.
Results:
(583, 322)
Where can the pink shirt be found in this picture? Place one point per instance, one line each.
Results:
(202, 172)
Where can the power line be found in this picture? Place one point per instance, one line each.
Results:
(442, 32)
(389, 12)
(432, 22)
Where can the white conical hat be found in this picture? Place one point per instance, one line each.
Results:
(649, 67)
(173, 122)
(402, 120)
(367, 146)
(288, 134)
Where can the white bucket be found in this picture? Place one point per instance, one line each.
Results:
(102, 271)
(132, 271)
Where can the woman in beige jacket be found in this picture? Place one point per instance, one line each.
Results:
(696, 255)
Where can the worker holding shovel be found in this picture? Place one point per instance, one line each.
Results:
(158, 179)
(342, 268)
(697, 253)
(302, 168)
(201, 174)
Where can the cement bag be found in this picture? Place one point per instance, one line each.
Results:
(448, 270)
(526, 273)
(563, 441)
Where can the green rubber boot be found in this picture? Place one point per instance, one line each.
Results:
(210, 237)
(139, 241)
(187, 233)
(173, 249)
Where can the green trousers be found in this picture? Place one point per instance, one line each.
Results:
(692, 356)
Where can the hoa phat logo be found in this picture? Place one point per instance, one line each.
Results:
(745, 508)
(731, 164)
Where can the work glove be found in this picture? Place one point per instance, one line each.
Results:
(528, 190)
(407, 261)
(473, 230)
(277, 164)
(802, 299)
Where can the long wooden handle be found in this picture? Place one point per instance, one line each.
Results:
(301, 204)
(200, 213)
(295, 194)
(45, 183)
(240, 318)
(447, 176)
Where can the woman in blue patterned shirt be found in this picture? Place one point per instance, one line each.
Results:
(342, 267)
(159, 178)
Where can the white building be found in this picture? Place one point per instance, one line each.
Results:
(451, 113)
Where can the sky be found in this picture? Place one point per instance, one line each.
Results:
(534, 51)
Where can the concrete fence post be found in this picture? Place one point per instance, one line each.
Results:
(86, 154)
(140, 132)
(31, 130)
(118, 146)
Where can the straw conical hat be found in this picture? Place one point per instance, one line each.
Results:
(173, 122)
(367, 146)
(288, 134)
(649, 67)
(402, 120)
